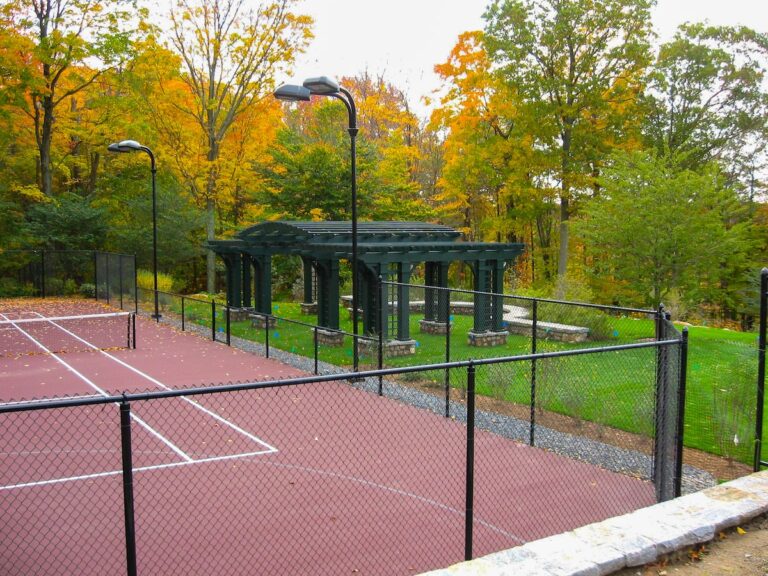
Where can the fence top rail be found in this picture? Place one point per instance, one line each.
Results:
(46, 251)
(244, 386)
(529, 298)
(267, 315)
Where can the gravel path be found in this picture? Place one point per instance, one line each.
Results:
(606, 456)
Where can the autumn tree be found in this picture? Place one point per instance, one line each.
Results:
(230, 54)
(54, 49)
(569, 63)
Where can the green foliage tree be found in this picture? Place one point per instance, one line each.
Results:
(707, 101)
(69, 222)
(658, 231)
(575, 66)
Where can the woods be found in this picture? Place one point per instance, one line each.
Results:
(633, 169)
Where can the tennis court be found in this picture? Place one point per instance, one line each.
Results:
(317, 478)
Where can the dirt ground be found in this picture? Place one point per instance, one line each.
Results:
(741, 552)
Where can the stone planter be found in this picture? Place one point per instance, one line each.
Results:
(487, 339)
(330, 338)
(432, 327)
(258, 321)
(308, 308)
(392, 348)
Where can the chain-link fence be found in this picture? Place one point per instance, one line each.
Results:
(358, 472)
(106, 276)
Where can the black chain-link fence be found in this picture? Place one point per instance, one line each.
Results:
(106, 276)
(359, 472)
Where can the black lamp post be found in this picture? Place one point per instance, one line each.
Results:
(324, 86)
(133, 146)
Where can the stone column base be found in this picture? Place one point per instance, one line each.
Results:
(433, 327)
(261, 321)
(330, 338)
(487, 339)
(392, 348)
(239, 314)
(308, 308)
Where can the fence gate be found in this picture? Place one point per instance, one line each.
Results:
(759, 462)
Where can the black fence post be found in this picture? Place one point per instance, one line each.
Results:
(120, 284)
(42, 273)
(381, 335)
(213, 320)
(135, 286)
(133, 321)
(183, 319)
(761, 370)
(447, 375)
(470, 472)
(314, 337)
(109, 296)
(130, 527)
(659, 404)
(680, 432)
(229, 327)
(266, 333)
(96, 274)
(534, 343)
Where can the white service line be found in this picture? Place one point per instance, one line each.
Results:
(156, 382)
(80, 375)
(141, 469)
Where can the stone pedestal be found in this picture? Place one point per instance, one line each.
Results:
(392, 348)
(239, 314)
(487, 339)
(433, 327)
(308, 308)
(261, 321)
(330, 338)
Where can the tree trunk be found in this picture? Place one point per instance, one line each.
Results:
(210, 257)
(46, 134)
(565, 192)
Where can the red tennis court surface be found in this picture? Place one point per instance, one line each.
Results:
(314, 479)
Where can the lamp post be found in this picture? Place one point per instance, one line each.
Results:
(325, 86)
(133, 146)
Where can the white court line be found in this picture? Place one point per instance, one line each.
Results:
(72, 369)
(141, 469)
(156, 382)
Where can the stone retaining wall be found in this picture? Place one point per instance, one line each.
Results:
(635, 539)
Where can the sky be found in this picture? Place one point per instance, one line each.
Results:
(404, 39)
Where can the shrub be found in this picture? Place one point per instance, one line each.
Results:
(88, 290)
(14, 289)
(145, 280)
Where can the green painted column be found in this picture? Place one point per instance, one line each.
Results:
(247, 280)
(482, 283)
(443, 296)
(497, 302)
(403, 302)
(430, 294)
(328, 293)
(263, 268)
(308, 291)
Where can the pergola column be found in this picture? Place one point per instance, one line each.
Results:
(309, 295)
(327, 293)
(497, 301)
(374, 312)
(403, 301)
(262, 266)
(247, 280)
(234, 273)
(430, 294)
(443, 296)
(482, 283)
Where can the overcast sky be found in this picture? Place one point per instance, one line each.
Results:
(404, 39)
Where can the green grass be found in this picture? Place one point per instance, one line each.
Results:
(615, 389)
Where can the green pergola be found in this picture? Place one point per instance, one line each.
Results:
(388, 250)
